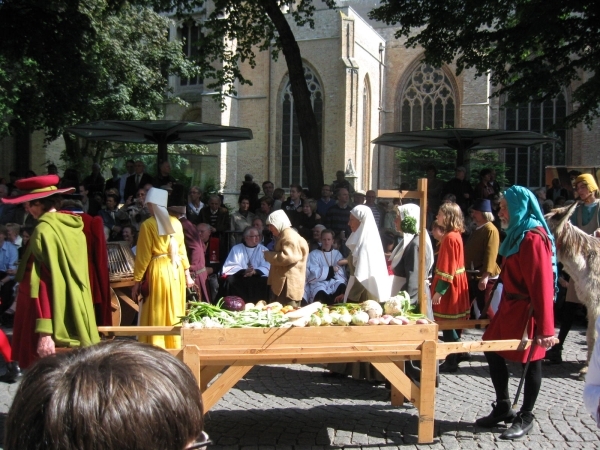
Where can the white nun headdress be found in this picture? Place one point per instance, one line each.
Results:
(279, 219)
(159, 199)
(367, 254)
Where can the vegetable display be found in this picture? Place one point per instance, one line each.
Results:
(232, 312)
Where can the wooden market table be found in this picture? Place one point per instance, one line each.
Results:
(232, 352)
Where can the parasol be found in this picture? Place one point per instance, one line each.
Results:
(461, 140)
(161, 132)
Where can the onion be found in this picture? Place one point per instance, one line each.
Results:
(233, 303)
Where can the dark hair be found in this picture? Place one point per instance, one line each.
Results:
(297, 187)
(48, 202)
(268, 200)
(431, 167)
(115, 197)
(387, 239)
(115, 395)
(484, 172)
(328, 230)
(242, 198)
(267, 182)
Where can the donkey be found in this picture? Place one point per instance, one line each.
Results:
(580, 255)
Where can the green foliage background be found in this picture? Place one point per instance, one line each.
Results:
(413, 164)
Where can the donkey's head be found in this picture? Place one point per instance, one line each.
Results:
(558, 217)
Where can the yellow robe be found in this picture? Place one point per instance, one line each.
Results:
(166, 300)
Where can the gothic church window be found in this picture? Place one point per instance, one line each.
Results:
(525, 166)
(292, 164)
(427, 101)
(190, 35)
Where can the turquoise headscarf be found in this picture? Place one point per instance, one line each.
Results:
(525, 214)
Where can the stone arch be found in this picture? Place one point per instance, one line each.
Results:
(289, 146)
(426, 97)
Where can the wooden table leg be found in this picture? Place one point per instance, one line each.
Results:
(426, 403)
(221, 386)
(396, 396)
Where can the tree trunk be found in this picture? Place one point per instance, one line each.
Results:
(307, 122)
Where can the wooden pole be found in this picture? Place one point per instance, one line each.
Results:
(422, 189)
(421, 195)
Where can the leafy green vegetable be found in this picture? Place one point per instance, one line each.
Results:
(409, 225)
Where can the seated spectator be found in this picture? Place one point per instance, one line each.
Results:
(278, 195)
(195, 205)
(240, 220)
(338, 215)
(266, 208)
(325, 276)
(134, 211)
(246, 270)
(212, 259)
(266, 235)
(25, 235)
(14, 234)
(115, 395)
(129, 235)
(112, 225)
(307, 219)
(8, 267)
(314, 243)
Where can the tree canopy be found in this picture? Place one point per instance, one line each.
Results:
(533, 49)
(63, 62)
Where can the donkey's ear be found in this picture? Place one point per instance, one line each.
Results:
(561, 214)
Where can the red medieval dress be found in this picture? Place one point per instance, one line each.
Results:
(93, 228)
(29, 310)
(528, 282)
(450, 268)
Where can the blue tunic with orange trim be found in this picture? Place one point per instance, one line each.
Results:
(451, 277)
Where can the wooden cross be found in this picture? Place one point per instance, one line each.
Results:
(421, 195)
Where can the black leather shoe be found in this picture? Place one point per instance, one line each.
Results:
(522, 424)
(463, 357)
(501, 412)
(450, 364)
(13, 371)
(554, 355)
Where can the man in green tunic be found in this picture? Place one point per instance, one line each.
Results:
(54, 301)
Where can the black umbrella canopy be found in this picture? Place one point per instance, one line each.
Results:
(161, 132)
(461, 140)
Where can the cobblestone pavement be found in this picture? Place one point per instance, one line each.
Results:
(295, 407)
